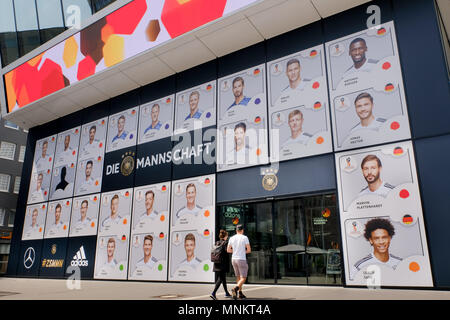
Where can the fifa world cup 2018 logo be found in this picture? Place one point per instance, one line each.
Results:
(127, 165)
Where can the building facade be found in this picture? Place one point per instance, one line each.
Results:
(12, 155)
(318, 128)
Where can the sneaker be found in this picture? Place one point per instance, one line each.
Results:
(228, 295)
(234, 292)
(213, 296)
(241, 295)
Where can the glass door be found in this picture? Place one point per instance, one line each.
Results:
(294, 241)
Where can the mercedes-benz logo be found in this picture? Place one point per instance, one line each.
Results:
(28, 258)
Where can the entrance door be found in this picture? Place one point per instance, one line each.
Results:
(294, 241)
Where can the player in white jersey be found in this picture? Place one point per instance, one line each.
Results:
(88, 181)
(150, 212)
(379, 233)
(148, 261)
(114, 218)
(110, 250)
(43, 162)
(84, 220)
(357, 51)
(295, 121)
(364, 109)
(191, 208)
(67, 153)
(189, 245)
(371, 168)
(296, 82)
(58, 225)
(92, 147)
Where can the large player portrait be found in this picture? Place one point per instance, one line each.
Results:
(58, 219)
(196, 108)
(156, 119)
(89, 176)
(151, 208)
(93, 138)
(122, 129)
(44, 154)
(392, 248)
(148, 256)
(367, 94)
(39, 186)
(111, 258)
(298, 105)
(193, 202)
(381, 217)
(189, 256)
(83, 221)
(34, 222)
(242, 114)
(115, 212)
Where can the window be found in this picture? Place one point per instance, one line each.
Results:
(83, 5)
(7, 150)
(22, 153)
(17, 184)
(100, 4)
(2, 216)
(50, 18)
(27, 25)
(8, 40)
(9, 124)
(12, 215)
(4, 182)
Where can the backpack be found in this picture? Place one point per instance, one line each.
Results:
(216, 253)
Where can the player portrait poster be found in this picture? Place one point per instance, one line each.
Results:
(111, 257)
(192, 229)
(381, 217)
(83, 221)
(196, 108)
(115, 213)
(298, 105)
(122, 129)
(367, 96)
(150, 232)
(90, 159)
(156, 119)
(34, 223)
(67, 147)
(63, 181)
(89, 175)
(39, 186)
(58, 219)
(93, 137)
(242, 119)
(113, 235)
(64, 167)
(44, 153)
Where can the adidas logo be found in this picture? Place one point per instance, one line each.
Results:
(79, 260)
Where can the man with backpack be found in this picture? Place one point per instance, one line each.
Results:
(221, 261)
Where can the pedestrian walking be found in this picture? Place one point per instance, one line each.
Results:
(221, 268)
(239, 246)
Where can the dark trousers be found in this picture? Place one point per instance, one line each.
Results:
(221, 278)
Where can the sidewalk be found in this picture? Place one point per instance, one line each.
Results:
(50, 289)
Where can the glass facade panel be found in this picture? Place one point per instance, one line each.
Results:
(50, 18)
(71, 7)
(100, 4)
(8, 37)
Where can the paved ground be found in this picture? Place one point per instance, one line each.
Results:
(43, 289)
